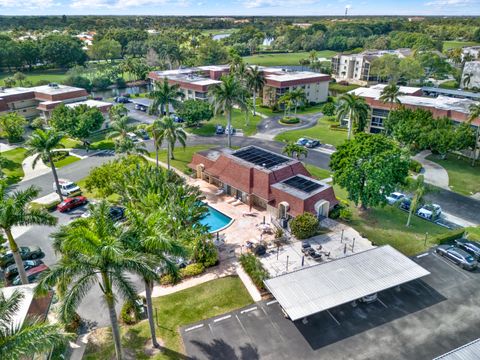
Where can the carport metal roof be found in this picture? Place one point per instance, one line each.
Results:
(320, 287)
(468, 351)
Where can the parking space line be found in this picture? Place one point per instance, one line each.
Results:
(333, 317)
(381, 302)
(222, 318)
(272, 302)
(422, 255)
(194, 327)
(243, 327)
(453, 266)
(248, 310)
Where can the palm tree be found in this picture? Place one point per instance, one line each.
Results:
(355, 108)
(286, 101)
(15, 210)
(295, 150)
(21, 341)
(467, 78)
(43, 143)
(119, 127)
(155, 129)
(146, 235)
(474, 113)
(225, 96)
(420, 188)
(390, 94)
(92, 253)
(117, 111)
(298, 97)
(171, 132)
(255, 82)
(164, 95)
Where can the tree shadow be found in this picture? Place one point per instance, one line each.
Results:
(219, 349)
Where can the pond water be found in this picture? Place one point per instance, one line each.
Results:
(109, 93)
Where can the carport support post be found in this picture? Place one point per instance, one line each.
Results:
(341, 239)
(353, 244)
(303, 260)
(278, 250)
(287, 264)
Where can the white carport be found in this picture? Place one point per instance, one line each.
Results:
(321, 287)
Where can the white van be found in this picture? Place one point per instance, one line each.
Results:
(67, 187)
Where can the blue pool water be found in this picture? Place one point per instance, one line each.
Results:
(215, 220)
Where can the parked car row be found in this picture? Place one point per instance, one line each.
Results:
(220, 130)
(31, 261)
(464, 253)
(428, 211)
(308, 143)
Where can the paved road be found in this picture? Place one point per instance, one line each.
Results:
(268, 128)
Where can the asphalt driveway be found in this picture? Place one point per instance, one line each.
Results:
(421, 320)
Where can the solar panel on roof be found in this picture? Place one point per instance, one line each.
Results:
(302, 184)
(260, 157)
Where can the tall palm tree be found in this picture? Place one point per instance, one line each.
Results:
(295, 150)
(420, 189)
(119, 127)
(255, 82)
(43, 143)
(155, 129)
(117, 111)
(467, 78)
(163, 95)
(225, 96)
(298, 97)
(287, 102)
(390, 94)
(15, 210)
(92, 253)
(147, 235)
(356, 109)
(474, 113)
(21, 341)
(170, 132)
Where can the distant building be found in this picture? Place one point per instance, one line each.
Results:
(471, 75)
(196, 82)
(302, 25)
(264, 179)
(355, 68)
(41, 100)
(456, 109)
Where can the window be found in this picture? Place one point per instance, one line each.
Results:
(377, 122)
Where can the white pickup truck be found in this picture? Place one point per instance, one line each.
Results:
(67, 187)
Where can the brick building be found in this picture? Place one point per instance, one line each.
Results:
(264, 179)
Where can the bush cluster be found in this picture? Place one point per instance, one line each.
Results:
(290, 120)
(130, 313)
(415, 166)
(328, 109)
(192, 270)
(254, 268)
(304, 226)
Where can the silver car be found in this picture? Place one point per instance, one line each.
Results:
(457, 256)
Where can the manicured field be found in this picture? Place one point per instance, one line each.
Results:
(66, 161)
(473, 233)
(306, 111)
(457, 44)
(463, 178)
(182, 156)
(238, 122)
(321, 132)
(13, 164)
(181, 308)
(34, 76)
(283, 58)
(317, 172)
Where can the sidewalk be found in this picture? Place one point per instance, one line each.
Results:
(433, 173)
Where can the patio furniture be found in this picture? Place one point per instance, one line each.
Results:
(219, 192)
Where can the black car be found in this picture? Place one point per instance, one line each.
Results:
(219, 130)
(122, 100)
(26, 252)
(405, 204)
(457, 256)
(143, 134)
(312, 144)
(117, 213)
(472, 247)
(11, 271)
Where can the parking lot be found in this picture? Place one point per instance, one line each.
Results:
(420, 320)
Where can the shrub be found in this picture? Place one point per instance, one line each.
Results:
(120, 83)
(37, 123)
(205, 252)
(328, 109)
(415, 166)
(192, 270)
(101, 83)
(289, 120)
(450, 236)
(130, 313)
(168, 279)
(254, 268)
(304, 226)
(346, 214)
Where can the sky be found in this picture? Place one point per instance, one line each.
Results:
(239, 7)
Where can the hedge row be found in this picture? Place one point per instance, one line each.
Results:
(254, 268)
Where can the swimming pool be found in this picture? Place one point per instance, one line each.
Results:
(215, 220)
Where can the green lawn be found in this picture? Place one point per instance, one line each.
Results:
(473, 233)
(13, 168)
(66, 161)
(97, 142)
(463, 178)
(283, 58)
(317, 172)
(305, 111)
(238, 122)
(35, 76)
(339, 89)
(321, 131)
(182, 156)
(451, 84)
(457, 44)
(188, 306)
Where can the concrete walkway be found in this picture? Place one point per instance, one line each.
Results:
(30, 172)
(434, 174)
(6, 147)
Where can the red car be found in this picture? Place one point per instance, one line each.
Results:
(32, 274)
(71, 203)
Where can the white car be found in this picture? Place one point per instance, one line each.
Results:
(133, 137)
(67, 187)
(430, 211)
(394, 198)
(369, 298)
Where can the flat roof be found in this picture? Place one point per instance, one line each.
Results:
(293, 75)
(89, 103)
(321, 287)
(468, 351)
(453, 92)
(301, 186)
(44, 89)
(260, 157)
(142, 101)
